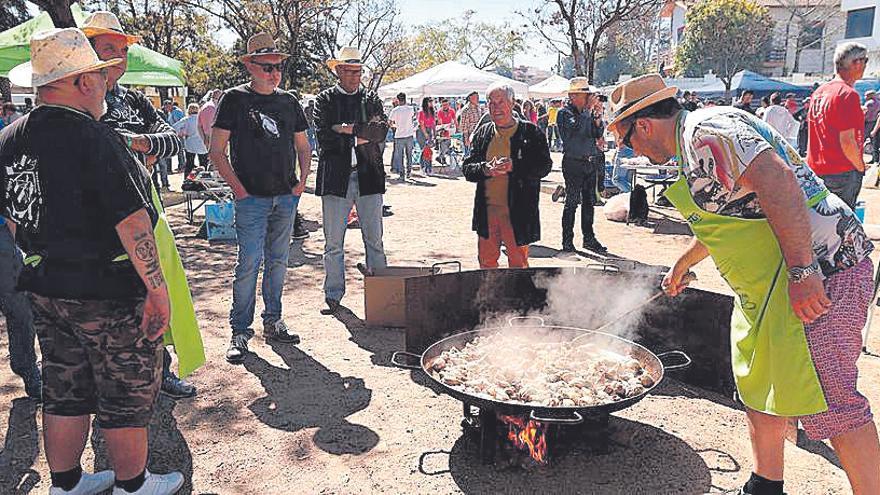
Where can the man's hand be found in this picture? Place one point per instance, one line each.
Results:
(157, 313)
(677, 279)
(343, 128)
(240, 193)
(139, 143)
(500, 166)
(300, 187)
(808, 299)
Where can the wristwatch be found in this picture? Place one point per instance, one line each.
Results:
(798, 274)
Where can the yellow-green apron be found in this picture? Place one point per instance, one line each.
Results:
(183, 332)
(772, 365)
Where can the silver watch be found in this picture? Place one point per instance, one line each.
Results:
(798, 274)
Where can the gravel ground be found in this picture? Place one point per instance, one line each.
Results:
(331, 416)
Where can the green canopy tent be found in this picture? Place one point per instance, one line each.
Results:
(145, 67)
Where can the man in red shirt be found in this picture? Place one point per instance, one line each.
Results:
(837, 126)
(445, 117)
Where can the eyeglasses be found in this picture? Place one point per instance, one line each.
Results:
(626, 137)
(862, 59)
(269, 68)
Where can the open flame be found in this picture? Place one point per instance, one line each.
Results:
(526, 434)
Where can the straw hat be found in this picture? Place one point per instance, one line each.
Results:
(261, 44)
(348, 55)
(103, 22)
(636, 94)
(56, 54)
(580, 85)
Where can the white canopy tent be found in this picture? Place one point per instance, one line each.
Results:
(554, 86)
(449, 79)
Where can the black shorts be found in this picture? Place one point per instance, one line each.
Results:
(96, 360)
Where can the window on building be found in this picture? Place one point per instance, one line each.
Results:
(860, 23)
(811, 36)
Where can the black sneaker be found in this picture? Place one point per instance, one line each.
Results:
(33, 385)
(299, 232)
(332, 306)
(594, 245)
(568, 248)
(174, 387)
(238, 348)
(278, 332)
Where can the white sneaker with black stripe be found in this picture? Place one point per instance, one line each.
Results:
(156, 484)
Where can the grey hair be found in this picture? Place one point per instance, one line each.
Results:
(501, 86)
(846, 53)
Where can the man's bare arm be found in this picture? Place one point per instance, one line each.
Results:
(852, 149)
(304, 157)
(784, 204)
(136, 234)
(217, 155)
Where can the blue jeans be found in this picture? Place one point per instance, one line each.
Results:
(336, 210)
(263, 226)
(310, 133)
(160, 172)
(622, 177)
(17, 308)
(403, 150)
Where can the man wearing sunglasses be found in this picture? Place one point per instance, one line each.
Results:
(264, 128)
(835, 147)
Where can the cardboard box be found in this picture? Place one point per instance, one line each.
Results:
(385, 294)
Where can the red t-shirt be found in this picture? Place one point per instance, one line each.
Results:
(446, 117)
(834, 107)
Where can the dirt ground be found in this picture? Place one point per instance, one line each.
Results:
(331, 416)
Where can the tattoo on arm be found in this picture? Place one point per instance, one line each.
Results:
(136, 235)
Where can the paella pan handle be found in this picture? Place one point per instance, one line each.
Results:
(435, 268)
(397, 360)
(524, 318)
(679, 356)
(576, 420)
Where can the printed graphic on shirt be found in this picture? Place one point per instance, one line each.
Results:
(268, 124)
(121, 115)
(23, 192)
(720, 144)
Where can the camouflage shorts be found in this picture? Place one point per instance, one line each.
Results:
(96, 360)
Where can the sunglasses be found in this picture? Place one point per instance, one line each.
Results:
(269, 68)
(626, 137)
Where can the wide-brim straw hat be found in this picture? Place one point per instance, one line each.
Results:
(636, 94)
(580, 85)
(55, 55)
(103, 22)
(262, 44)
(347, 55)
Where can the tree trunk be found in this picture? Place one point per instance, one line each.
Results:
(59, 11)
(5, 89)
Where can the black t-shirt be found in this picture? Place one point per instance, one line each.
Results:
(67, 180)
(261, 142)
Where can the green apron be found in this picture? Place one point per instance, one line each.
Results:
(772, 365)
(183, 332)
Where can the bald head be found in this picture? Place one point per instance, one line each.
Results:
(83, 92)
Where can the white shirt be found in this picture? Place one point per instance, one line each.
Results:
(404, 125)
(354, 158)
(781, 120)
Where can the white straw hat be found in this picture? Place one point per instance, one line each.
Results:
(56, 54)
(348, 55)
(103, 22)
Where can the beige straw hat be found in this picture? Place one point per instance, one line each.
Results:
(261, 44)
(580, 85)
(638, 93)
(103, 22)
(56, 54)
(347, 55)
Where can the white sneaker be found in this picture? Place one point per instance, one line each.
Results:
(89, 484)
(156, 484)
